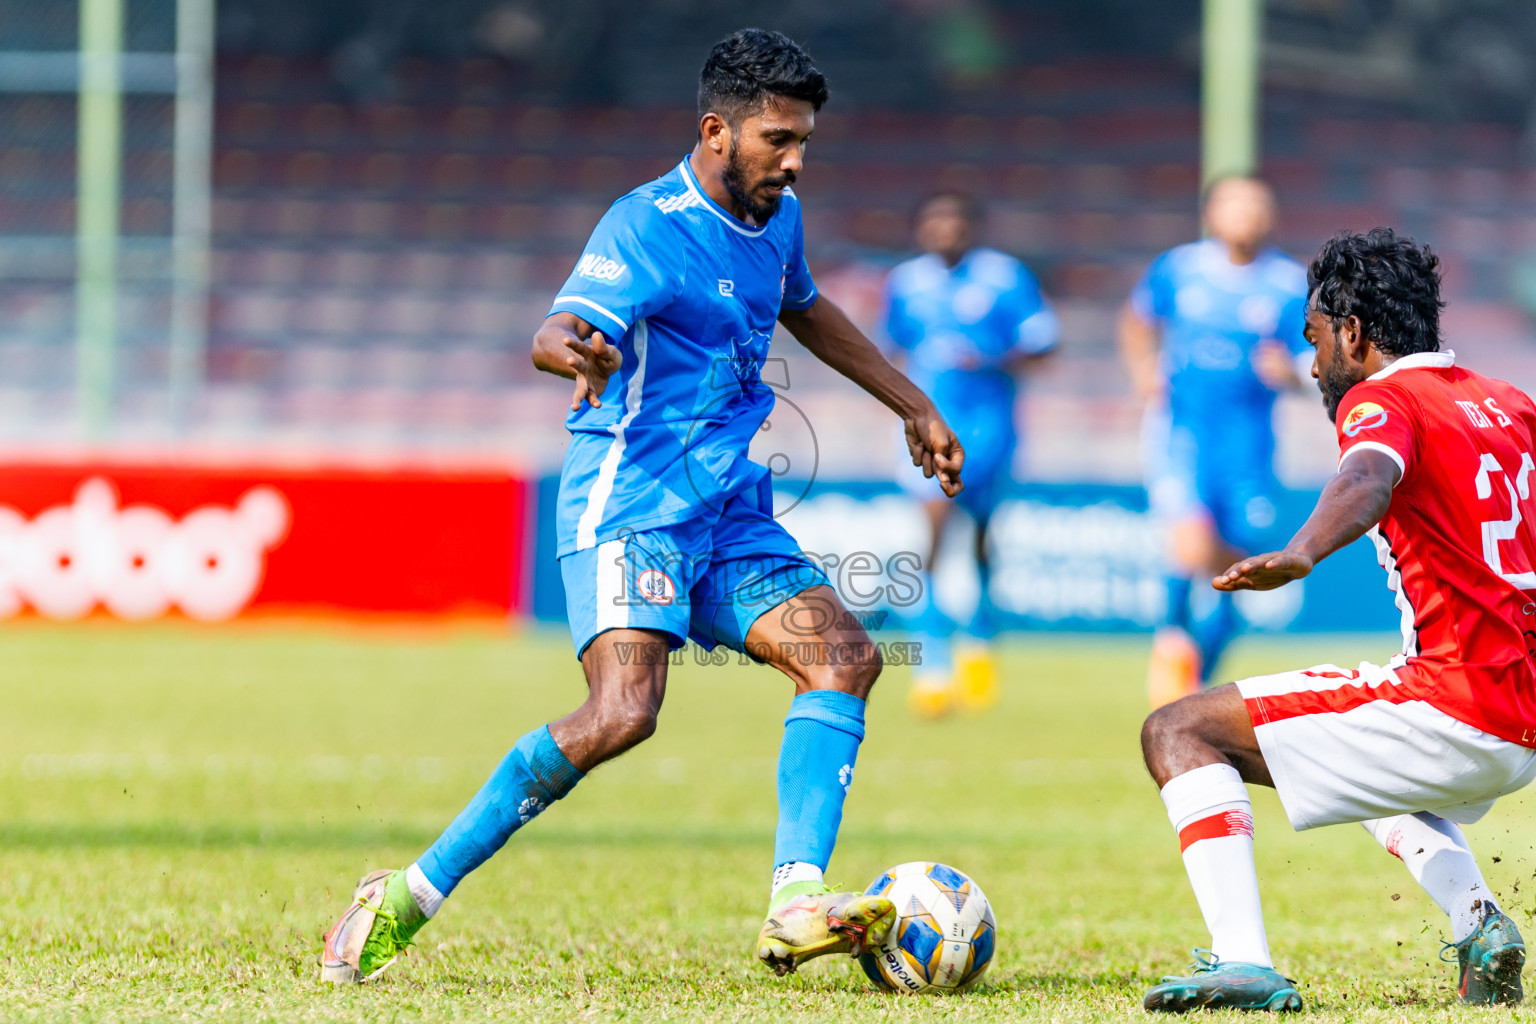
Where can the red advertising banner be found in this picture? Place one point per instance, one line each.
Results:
(141, 540)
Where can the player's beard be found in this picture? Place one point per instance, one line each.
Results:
(1336, 381)
(760, 210)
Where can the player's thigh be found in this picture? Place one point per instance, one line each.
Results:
(1174, 498)
(1354, 744)
(627, 669)
(638, 580)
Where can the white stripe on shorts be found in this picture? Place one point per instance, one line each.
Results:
(611, 593)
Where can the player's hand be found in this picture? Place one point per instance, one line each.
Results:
(1275, 366)
(594, 362)
(1264, 572)
(936, 449)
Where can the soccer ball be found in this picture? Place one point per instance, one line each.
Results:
(944, 933)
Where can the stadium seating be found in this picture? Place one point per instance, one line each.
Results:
(402, 251)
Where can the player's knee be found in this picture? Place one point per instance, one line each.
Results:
(1162, 731)
(625, 724)
(855, 674)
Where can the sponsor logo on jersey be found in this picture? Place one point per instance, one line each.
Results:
(599, 268)
(1365, 416)
(655, 587)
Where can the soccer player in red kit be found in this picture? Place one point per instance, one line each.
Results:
(1436, 467)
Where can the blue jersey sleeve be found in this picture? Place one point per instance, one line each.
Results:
(1038, 329)
(633, 266)
(1152, 298)
(799, 287)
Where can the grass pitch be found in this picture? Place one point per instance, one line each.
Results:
(183, 811)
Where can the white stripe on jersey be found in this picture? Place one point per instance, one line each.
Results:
(681, 201)
(1377, 446)
(731, 222)
(1409, 620)
(612, 593)
(602, 487)
(624, 327)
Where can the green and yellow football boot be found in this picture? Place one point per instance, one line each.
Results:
(373, 932)
(807, 920)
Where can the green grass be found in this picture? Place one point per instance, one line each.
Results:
(183, 811)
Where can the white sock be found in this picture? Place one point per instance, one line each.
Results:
(422, 891)
(1437, 855)
(1210, 810)
(793, 871)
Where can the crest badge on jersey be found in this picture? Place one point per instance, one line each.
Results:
(1365, 416)
(655, 587)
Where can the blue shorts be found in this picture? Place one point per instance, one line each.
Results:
(987, 472)
(707, 579)
(1238, 496)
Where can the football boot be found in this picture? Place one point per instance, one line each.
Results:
(803, 926)
(1490, 961)
(1217, 984)
(372, 932)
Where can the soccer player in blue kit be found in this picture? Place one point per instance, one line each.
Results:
(665, 527)
(967, 321)
(1212, 332)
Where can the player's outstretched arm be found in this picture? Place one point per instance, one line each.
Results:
(1353, 502)
(572, 348)
(830, 336)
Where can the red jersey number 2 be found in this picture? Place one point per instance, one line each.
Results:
(1496, 530)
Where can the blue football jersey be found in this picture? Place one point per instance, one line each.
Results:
(690, 295)
(958, 325)
(1212, 314)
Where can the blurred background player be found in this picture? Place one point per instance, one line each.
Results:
(1212, 332)
(967, 321)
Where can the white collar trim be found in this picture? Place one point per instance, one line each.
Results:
(1442, 360)
(713, 207)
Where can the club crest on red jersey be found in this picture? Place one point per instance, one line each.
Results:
(1365, 416)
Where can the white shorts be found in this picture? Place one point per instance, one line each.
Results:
(1338, 755)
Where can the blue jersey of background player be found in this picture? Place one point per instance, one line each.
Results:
(1212, 332)
(966, 320)
(665, 527)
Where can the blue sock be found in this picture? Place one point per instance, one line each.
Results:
(1214, 632)
(983, 624)
(533, 775)
(821, 744)
(1179, 588)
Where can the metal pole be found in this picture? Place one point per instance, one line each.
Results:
(1230, 88)
(99, 156)
(192, 202)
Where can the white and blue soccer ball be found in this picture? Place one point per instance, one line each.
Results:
(944, 934)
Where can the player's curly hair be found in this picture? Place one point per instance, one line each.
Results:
(1391, 283)
(747, 67)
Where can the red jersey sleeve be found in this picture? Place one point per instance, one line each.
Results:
(1379, 417)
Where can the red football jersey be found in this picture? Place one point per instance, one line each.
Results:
(1459, 539)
